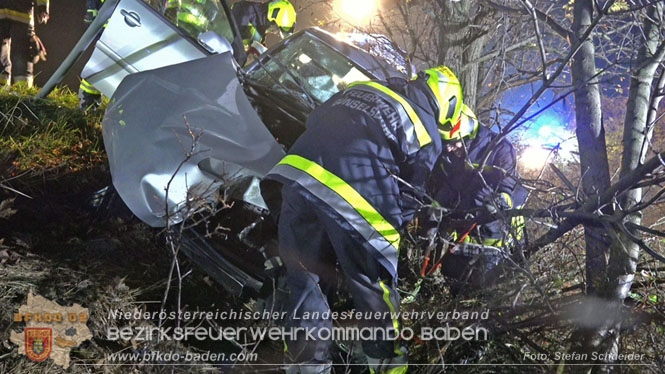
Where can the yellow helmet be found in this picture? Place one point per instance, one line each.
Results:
(466, 127)
(448, 93)
(283, 14)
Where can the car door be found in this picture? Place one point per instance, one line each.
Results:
(145, 35)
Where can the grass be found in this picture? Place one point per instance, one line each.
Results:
(46, 138)
(51, 243)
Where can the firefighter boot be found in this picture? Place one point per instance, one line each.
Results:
(23, 78)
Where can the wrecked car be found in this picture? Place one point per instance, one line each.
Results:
(187, 123)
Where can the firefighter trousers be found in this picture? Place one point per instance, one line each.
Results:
(16, 50)
(311, 243)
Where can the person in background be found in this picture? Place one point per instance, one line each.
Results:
(17, 28)
(458, 185)
(254, 19)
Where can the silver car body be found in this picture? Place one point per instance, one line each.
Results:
(179, 124)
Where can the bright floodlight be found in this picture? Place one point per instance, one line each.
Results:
(534, 157)
(356, 11)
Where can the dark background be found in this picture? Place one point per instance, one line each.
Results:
(59, 36)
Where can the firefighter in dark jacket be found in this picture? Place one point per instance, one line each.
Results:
(16, 29)
(191, 16)
(349, 185)
(458, 185)
(254, 19)
(89, 97)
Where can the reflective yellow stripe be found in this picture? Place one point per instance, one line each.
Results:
(254, 33)
(386, 299)
(519, 224)
(16, 16)
(191, 19)
(488, 168)
(397, 370)
(87, 87)
(393, 313)
(509, 199)
(254, 36)
(348, 193)
(421, 131)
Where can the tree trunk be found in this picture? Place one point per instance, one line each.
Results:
(640, 109)
(591, 140)
(593, 161)
(460, 45)
(612, 280)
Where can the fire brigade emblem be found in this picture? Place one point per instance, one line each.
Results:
(38, 343)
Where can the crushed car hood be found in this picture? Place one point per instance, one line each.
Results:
(189, 128)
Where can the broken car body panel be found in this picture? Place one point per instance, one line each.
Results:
(187, 128)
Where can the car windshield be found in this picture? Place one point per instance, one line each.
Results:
(320, 70)
(195, 16)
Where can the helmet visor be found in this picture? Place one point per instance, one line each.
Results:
(466, 127)
(452, 106)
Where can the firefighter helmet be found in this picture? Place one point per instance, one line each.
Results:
(466, 127)
(283, 14)
(448, 93)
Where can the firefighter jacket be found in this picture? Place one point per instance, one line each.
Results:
(21, 10)
(364, 159)
(456, 185)
(252, 20)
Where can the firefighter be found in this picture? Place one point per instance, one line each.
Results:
(254, 19)
(458, 185)
(192, 16)
(89, 97)
(16, 29)
(349, 185)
